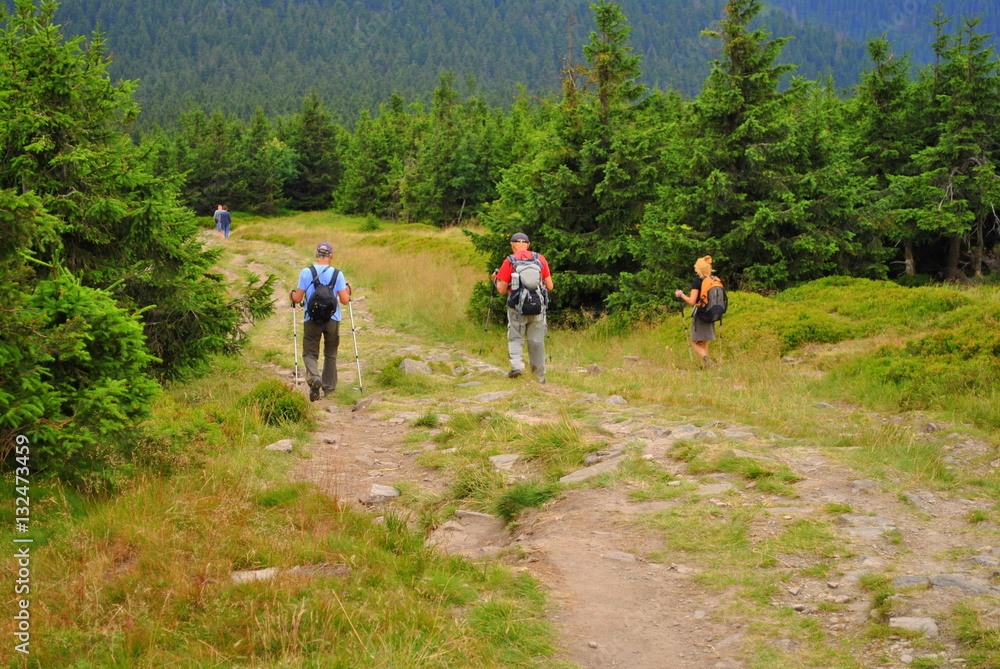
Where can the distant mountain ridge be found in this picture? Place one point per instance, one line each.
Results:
(237, 54)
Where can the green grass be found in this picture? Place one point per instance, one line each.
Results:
(139, 578)
(979, 638)
(142, 577)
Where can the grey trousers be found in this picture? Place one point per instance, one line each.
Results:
(532, 329)
(330, 331)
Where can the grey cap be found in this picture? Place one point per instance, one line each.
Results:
(519, 237)
(324, 249)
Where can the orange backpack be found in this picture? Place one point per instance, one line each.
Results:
(712, 301)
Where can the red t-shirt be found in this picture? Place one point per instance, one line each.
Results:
(506, 269)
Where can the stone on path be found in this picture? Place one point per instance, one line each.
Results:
(685, 432)
(925, 625)
(364, 402)
(472, 535)
(310, 570)
(737, 434)
(379, 494)
(617, 400)
(868, 527)
(411, 366)
(252, 575)
(592, 471)
(863, 485)
(283, 446)
(986, 561)
(491, 397)
(962, 582)
(620, 556)
(903, 582)
(714, 489)
(823, 405)
(601, 456)
(504, 463)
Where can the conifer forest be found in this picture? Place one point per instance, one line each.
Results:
(870, 160)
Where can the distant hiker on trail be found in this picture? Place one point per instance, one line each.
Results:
(324, 289)
(702, 329)
(218, 220)
(225, 221)
(525, 278)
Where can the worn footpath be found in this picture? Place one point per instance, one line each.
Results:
(623, 591)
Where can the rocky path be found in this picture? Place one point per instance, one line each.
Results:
(619, 596)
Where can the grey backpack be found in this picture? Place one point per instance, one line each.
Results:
(527, 290)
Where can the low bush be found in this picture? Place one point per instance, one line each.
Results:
(276, 403)
(933, 370)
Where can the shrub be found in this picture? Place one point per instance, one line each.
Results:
(73, 379)
(371, 224)
(276, 403)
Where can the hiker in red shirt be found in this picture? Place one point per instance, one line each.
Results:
(526, 279)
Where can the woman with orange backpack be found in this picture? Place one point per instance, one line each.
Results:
(702, 331)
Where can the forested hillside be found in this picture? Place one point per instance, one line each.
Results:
(238, 54)
(905, 22)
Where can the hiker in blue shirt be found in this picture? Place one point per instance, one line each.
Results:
(325, 320)
(225, 221)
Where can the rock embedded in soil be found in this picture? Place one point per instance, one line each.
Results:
(903, 582)
(491, 397)
(504, 463)
(961, 582)
(379, 494)
(926, 625)
(592, 471)
(411, 366)
(863, 485)
(253, 575)
(685, 432)
(283, 446)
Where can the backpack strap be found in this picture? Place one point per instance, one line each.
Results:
(316, 276)
(702, 293)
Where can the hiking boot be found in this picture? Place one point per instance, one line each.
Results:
(314, 390)
(708, 361)
(514, 373)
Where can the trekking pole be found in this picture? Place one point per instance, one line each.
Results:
(295, 344)
(680, 304)
(354, 332)
(489, 311)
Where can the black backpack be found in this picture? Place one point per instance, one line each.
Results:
(527, 289)
(323, 303)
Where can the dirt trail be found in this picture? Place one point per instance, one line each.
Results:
(613, 605)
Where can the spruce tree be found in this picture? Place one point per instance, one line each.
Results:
(758, 177)
(318, 143)
(955, 184)
(373, 161)
(887, 133)
(105, 284)
(581, 193)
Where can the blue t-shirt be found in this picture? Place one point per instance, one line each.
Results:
(325, 273)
